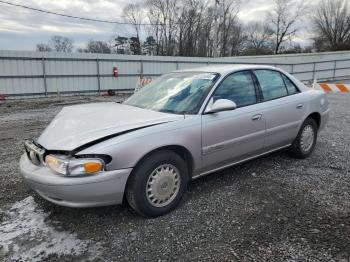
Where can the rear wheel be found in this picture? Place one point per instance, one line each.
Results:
(305, 142)
(157, 184)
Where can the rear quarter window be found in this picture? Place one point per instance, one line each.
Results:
(292, 89)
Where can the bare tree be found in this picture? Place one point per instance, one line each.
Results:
(258, 38)
(190, 27)
(236, 40)
(134, 14)
(43, 48)
(97, 47)
(332, 24)
(191, 20)
(154, 29)
(205, 37)
(61, 44)
(163, 14)
(284, 17)
(297, 49)
(228, 22)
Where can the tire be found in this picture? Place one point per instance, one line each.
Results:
(304, 145)
(164, 174)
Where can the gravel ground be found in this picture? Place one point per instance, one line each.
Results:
(272, 208)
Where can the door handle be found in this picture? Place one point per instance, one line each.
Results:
(257, 117)
(299, 106)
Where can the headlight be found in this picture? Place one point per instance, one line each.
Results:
(59, 165)
(74, 166)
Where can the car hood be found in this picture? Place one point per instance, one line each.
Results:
(78, 125)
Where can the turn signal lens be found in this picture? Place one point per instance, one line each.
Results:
(92, 167)
(80, 167)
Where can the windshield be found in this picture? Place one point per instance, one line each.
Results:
(177, 93)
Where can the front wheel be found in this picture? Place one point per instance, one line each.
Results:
(158, 183)
(305, 142)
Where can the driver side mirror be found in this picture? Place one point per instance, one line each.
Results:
(221, 105)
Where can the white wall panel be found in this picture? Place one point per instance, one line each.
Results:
(15, 86)
(124, 67)
(287, 68)
(55, 67)
(22, 72)
(343, 64)
(121, 83)
(342, 72)
(191, 65)
(72, 84)
(303, 76)
(324, 75)
(158, 67)
(325, 66)
(303, 68)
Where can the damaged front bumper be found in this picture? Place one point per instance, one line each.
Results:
(104, 188)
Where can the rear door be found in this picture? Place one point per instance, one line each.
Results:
(283, 108)
(231, 136)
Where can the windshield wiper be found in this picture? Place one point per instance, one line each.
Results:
(172, 111)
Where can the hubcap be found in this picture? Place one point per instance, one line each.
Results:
(163, 185)
(307, 138)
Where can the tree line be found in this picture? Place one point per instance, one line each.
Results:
(213, 28)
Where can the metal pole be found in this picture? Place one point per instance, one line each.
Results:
(177, 65)
(141, 69)
(98, 75)
(292, 69)
(335, 68)
(44, 74)
(314, 71)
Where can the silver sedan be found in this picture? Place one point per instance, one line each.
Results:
(184, 125)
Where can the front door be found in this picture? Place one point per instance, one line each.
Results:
(231, 136)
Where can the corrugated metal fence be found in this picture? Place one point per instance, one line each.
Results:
(34, 73)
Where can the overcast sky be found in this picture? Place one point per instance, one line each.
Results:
(22, 29)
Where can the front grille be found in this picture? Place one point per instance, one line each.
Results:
(35, 153)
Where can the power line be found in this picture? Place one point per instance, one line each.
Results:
(72, 16)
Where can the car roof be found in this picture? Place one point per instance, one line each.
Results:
(226, 69)
(231, 68)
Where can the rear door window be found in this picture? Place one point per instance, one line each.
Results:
(271, 83)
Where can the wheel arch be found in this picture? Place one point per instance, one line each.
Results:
(182, 151)
(317, 117)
